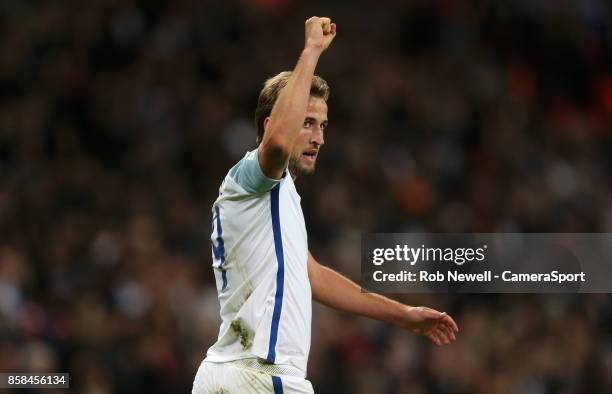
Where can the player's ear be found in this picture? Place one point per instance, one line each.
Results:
(266, 123)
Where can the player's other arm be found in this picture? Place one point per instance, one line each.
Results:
(334, 290)
(287, 116)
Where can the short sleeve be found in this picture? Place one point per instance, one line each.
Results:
(247, 173)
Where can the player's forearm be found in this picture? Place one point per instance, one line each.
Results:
(288, 113)
(336, 291)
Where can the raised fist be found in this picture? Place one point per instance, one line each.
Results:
(319, 33)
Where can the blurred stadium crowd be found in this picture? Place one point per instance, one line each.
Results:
(120, 118)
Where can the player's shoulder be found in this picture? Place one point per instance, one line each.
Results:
(247, 174)
(229, 186)
(248, 157)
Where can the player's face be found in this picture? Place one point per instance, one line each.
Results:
(310, 139)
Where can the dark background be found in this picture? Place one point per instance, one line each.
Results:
(120, 118)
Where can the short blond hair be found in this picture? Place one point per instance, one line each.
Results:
(269, 94)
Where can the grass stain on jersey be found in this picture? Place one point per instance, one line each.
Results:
(246, 338)
(221, 391)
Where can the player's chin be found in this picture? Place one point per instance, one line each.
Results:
(307, 170)
(307, 167)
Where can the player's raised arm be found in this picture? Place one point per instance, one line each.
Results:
(287, 115)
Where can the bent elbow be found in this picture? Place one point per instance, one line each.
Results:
(277, 145)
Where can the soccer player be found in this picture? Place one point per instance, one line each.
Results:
(264, 273)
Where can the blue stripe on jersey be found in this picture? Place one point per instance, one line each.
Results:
(219, 251)
(224, 279)
(278, 385)
(280, 273)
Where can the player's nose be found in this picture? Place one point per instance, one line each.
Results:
(317, 136)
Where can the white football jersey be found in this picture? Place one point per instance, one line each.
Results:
(260, 254)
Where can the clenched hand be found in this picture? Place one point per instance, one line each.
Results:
(319, 33)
